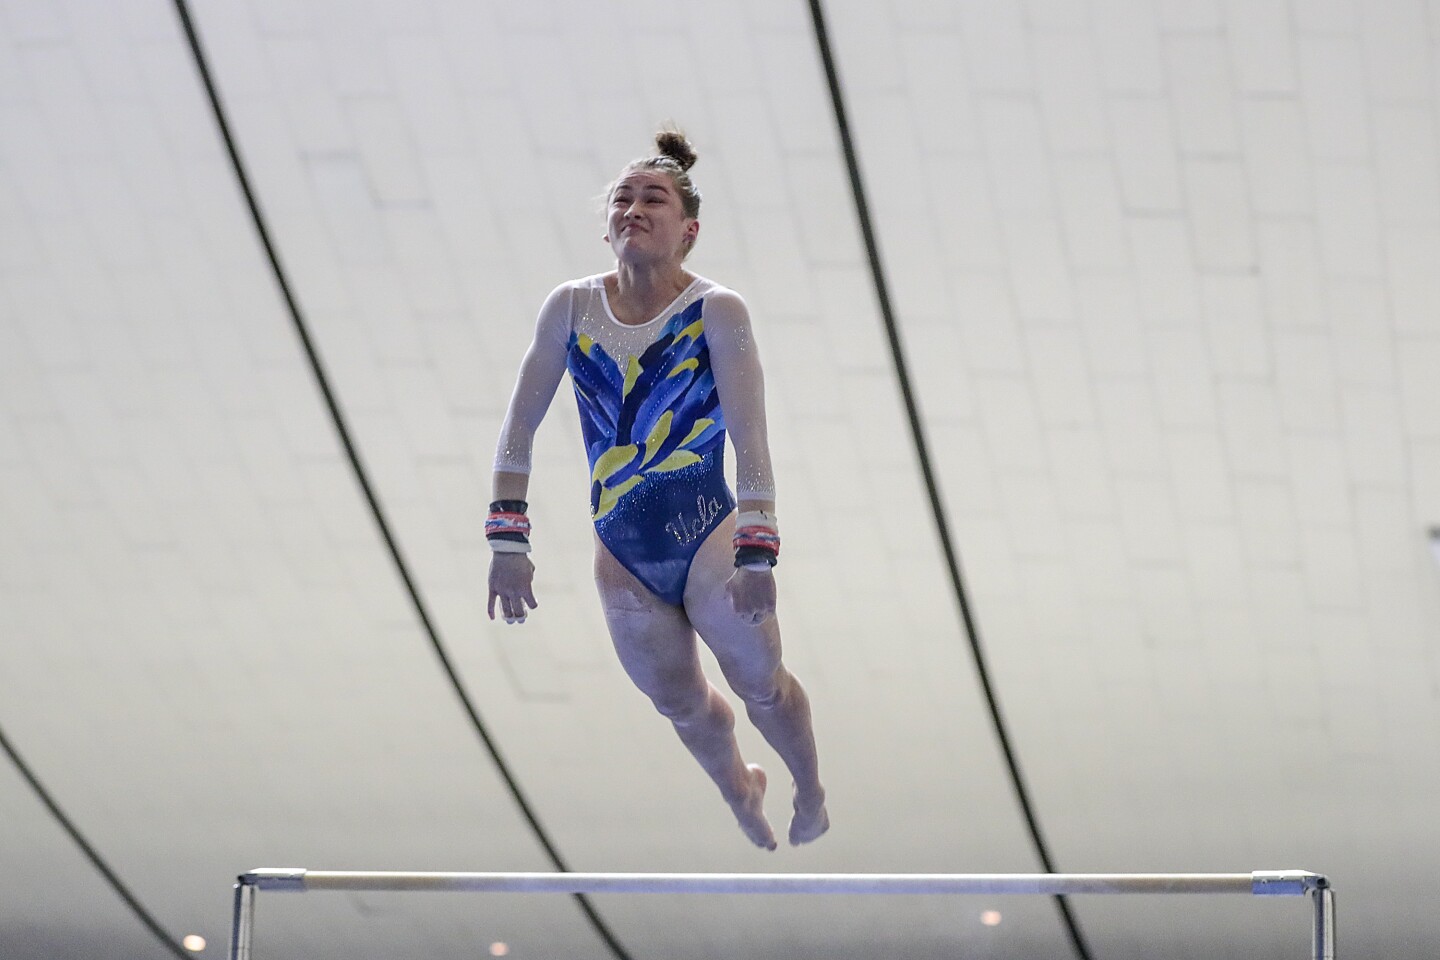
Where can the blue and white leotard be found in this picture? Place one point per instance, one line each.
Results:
(651, 415)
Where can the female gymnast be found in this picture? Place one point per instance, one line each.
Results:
(663, 364)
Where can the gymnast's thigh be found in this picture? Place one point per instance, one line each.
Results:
(653, 639)
(748, 654)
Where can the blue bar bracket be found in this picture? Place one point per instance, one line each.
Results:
(289, 879)
(1286, 883)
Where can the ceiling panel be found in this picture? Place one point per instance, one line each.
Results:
(53, 902)
(1171, 251)
(207, 656)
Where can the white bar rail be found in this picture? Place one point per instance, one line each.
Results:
(1256, 883)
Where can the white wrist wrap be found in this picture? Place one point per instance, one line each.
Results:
(756, 518)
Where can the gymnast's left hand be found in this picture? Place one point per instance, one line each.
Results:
(752, 594)
(512, 578)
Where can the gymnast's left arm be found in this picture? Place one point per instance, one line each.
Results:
(740, 382)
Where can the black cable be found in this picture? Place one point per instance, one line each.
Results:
(917, 434)
(363, 479)
(131, 901)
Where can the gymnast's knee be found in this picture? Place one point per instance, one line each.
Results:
(682, 709)
(762, 696)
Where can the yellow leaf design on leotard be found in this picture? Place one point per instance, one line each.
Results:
(692, 332)
(678, 460)
(609, 496)
(656, 411)
(632, 372)
(612, 460)
(658, 436)
(701, 425)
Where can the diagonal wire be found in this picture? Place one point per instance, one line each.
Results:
(367, 488)
(917, 434)
(91, 854)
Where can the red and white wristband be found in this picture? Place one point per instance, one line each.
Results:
(757, 540)
(507, 528)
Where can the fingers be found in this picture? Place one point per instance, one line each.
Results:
(754, 611)
(510, 584)
(738, 602)
(752, 601)
(514, 608)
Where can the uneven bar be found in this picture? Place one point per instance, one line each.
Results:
(1284, 883)
(1291, 882)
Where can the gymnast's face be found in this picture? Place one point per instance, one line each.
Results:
(646, 222)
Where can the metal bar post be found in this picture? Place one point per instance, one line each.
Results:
(1323, 937)
(243, 922)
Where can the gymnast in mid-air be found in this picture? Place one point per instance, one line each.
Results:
(664, 365)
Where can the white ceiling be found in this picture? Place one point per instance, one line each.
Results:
(1165, 275)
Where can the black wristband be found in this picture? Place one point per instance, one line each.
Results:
(509, 506)
(748, 555)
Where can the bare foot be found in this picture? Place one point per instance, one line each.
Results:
(810, 820)
(750, 811)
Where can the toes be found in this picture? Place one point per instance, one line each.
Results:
(752, 815)
(808, 829)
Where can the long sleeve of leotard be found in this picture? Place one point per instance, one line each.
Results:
(535, 386)
(735, 363)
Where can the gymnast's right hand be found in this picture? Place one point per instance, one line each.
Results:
(511, 576)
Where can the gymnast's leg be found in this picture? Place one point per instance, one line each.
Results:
(749, 656)
(656, 646)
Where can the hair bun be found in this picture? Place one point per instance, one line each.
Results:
(673, 144)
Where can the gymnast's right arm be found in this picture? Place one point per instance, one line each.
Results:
(511, 572)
